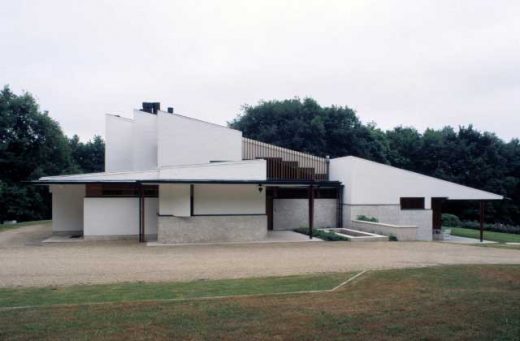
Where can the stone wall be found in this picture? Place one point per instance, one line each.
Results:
(402, 232)
(211, 229)
(289, 214)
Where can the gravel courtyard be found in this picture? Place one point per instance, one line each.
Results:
(25, 261)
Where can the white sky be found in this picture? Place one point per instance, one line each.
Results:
(413, 63)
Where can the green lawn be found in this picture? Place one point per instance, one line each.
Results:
(126, 292)
(449, 302)
(488, 235)
(4, 227)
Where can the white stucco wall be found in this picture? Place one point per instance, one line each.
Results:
(144, 141)
(118, 216)
(174, 199)
(368, 182)
(118, 143)
(67, 207)
(228, 199)
(183, 140)
(289, 214)
(240, 170)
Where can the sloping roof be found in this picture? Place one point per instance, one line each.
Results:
(377, 183)
(235, 170)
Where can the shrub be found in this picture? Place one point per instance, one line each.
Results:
(450, 220)
(392, 238)
(475, 225)
(365, 218)
(325, 235)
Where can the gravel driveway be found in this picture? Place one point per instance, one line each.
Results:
(27, 262)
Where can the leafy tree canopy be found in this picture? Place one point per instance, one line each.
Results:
(33, 145)
(305, 126)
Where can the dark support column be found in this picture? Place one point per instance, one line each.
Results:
(481, 219)
(339, 206)
(311, 210)
(142, 238)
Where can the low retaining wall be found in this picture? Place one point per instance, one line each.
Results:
(393, 215)
(211, 229)
(401, 232)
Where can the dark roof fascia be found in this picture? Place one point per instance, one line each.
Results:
(163, 181)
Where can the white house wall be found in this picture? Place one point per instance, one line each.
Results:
(242, 170)
(175, 199)
(118, 143)
(184, 140)
(67, 208)
(144, 141)
(228, 199)
(118, 217)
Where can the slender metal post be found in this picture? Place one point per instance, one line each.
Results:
(142, 238)
(327, 166)
(311, 210)
(339, 207)
(481, 218)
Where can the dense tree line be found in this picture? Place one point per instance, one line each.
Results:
(33, 145)
(465, 155)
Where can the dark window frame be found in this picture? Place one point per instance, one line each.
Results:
(120, 191)
(412, 203)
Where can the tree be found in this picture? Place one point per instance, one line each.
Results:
(31, 145)
(88, 157)
(307, 127)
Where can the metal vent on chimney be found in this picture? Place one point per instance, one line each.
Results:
(151, 107)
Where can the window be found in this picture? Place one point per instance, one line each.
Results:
(412, 203)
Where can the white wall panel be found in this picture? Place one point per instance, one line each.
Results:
(243, 170)
(144, 141)
(67, 207)
(184, 140)
(228, 199)
(118, 143)
(111, 216)
(174, 199)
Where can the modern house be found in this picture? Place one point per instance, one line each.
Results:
(175, 179)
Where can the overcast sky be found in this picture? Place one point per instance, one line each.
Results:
(412, 63)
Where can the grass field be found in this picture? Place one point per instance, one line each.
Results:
(126, 292)
(460, 302)
(4, 227)
(488, 235)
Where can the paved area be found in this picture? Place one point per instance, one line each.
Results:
(25, 261)
(465, 240)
